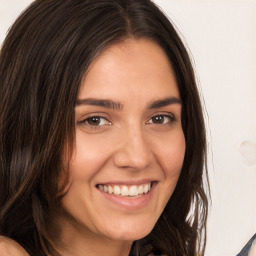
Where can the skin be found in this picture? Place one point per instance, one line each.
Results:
(128, 144)
(9, 247)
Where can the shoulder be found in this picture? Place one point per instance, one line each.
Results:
(9, 247)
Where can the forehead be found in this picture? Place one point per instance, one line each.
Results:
(133, 65)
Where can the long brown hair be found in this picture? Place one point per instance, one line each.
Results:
(43, 60)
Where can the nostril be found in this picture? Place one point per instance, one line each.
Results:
(132, 157)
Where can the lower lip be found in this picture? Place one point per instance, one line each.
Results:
(130, 203)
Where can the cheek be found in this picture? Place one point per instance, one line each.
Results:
(89, 155)
(171, 157)
(172, 162)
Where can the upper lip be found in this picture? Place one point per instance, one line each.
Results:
(128, 182)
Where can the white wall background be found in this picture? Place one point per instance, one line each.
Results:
(221, 35)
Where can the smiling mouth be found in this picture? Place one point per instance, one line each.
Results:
(126, 190)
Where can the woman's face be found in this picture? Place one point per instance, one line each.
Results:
(129, 145)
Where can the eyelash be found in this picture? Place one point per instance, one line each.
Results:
(100, 121)
(171, 118)
(95, 119)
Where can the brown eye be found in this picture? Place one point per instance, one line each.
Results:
(161, 119)
(158, 119)
(96, 121)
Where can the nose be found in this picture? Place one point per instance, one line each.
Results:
(133, 150)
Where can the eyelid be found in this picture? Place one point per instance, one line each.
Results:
(171, 116)
(91, 117)
(84, 123)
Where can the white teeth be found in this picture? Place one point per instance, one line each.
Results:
(125, 190)
(117, 190)
(140, 190)
(147, 188)
(133, 191)
(110, 190)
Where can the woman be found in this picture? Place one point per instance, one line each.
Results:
(103, 142)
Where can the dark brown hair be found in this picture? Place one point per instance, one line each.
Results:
(43, 60)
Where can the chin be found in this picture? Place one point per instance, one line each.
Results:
(129, 232)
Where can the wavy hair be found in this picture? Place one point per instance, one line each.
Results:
(43, 60)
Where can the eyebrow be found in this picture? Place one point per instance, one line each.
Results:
(115, 105)
(101, 103)
(164, 102)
